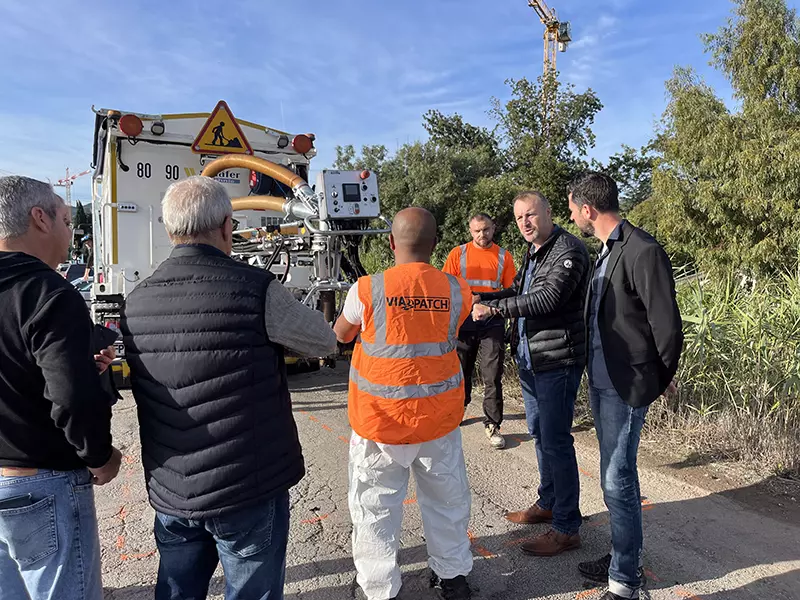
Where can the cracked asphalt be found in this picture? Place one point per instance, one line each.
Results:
(697, 544)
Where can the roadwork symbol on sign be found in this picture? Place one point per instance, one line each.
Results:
(221, 134)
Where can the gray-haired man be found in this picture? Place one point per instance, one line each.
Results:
(205, 337)
(55, 418)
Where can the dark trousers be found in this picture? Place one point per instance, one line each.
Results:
(250, 543)
(549, 407)
(484, 343)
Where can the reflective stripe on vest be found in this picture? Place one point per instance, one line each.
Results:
(406, 392)
(380, 349)
(497, 283)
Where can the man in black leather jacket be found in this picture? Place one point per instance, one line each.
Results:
(548, 336)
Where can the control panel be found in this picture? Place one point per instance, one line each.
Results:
(348, 195)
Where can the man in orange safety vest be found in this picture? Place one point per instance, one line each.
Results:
(405, 405)
(487, 268)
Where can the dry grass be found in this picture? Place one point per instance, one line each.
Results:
(739, 397)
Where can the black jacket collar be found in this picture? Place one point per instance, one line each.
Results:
(182, 250)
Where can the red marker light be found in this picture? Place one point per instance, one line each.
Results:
(365, 174)
(302, 144)
(131, 125)
(253, 179)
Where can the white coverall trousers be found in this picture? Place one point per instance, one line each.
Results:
(378, 486)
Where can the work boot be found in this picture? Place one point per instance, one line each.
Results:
(495, 439)
(531, 516)
(451, 589)
(551, 543)
(611, 596)
(597, 570)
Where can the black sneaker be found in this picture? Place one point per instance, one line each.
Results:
(611, 596)
(451, 589)
(597, 570)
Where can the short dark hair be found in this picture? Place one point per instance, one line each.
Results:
(531, 194)
(481, 216)
(598, 190)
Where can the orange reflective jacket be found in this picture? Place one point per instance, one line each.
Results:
(406, 385)
(485, 269)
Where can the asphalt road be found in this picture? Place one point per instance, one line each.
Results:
(697, 544)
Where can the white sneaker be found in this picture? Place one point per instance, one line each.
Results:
(495, 438)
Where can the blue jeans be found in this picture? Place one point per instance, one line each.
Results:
(49, 545)
(549, 398)
(618, 429)
(250, 543)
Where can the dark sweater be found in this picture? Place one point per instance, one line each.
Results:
(54, 414)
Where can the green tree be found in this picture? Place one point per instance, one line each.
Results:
(726, 183)
(546, 143)
(451, 131)
(370, 158)
(632, 169)
(82, 220)
(463, 169)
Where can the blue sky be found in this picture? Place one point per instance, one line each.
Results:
(351, 71)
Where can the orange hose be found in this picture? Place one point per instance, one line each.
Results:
(254, 163)
(273, 203)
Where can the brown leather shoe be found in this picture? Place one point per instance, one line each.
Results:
(531, 516)
(552, 543)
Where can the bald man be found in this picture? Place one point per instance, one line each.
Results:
(405, 404)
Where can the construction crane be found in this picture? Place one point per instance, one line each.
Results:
(68, 182)
(557, 34)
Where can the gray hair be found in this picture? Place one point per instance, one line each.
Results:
(195, 207)
(18, 196)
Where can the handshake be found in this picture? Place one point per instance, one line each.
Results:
(481, 312)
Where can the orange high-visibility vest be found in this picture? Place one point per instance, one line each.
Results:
(406, 384)
(486, 270)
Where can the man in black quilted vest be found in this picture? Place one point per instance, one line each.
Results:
(205, 337)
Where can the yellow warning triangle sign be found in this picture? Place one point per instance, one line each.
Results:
(221, 134)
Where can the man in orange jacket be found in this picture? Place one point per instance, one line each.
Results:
(487, 268)
(405, 405)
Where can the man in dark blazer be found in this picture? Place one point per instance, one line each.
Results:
(634, 340)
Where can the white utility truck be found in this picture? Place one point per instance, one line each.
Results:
(307, 236)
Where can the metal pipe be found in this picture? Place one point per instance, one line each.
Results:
(340, 232)
(151, 236)
(325, 286)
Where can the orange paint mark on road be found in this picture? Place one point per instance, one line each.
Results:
(137, 556)
(653, 576)
(511, 543)
(585, 473)
(686, 594)
(478, 548)
(122, 514)
(326, 428)
(412, 500)
(314, 520)
(313, 418)
(586, 593)
(647, 505)
(120, 542)
(344, 439)
(128, 459)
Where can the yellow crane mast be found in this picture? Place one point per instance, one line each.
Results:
(557, 34)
